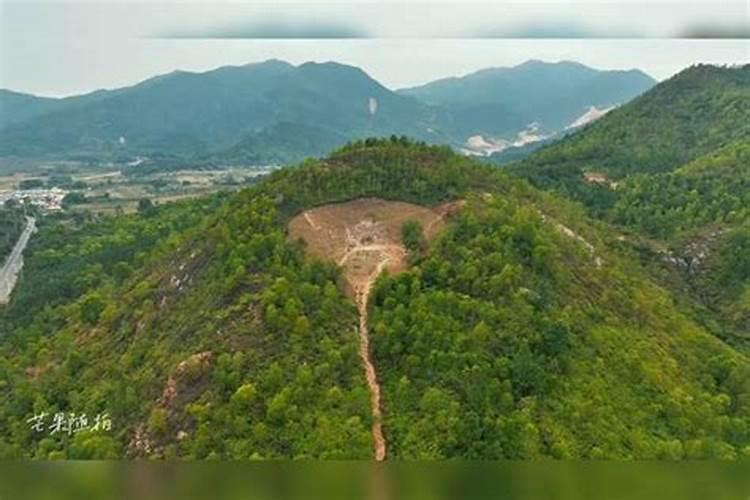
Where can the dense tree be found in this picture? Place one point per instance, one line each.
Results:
(12, 223)
(412, 236)
(521, 332)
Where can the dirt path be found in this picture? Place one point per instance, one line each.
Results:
(367, 255)
(364, 238)
(362, 294)
(310, 221)
(383, 248)
(441, 213)
(377, 256)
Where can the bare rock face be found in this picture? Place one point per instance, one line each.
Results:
(185, 384)
(184, 377)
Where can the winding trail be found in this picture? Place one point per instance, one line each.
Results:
(371, 248)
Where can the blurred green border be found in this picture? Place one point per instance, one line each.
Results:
(383, 481)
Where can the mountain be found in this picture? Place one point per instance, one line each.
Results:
(16, 107)
(700, 212)
(509, 325)
(500, 103)
(670, 170)
(694, 112)
(205, 113)
(281, 143)
(274, 112)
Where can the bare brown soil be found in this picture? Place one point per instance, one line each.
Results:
(365, 234)
(364, 237)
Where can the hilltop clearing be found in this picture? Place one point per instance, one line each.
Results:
(364, 237)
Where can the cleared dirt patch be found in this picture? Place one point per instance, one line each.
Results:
(365, 234)
(364, 237)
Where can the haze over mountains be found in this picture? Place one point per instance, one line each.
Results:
(276, 112)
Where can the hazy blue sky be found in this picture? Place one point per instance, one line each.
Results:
(58, 47)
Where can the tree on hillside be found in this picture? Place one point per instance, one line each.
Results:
(412, 236)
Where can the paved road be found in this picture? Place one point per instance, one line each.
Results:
(14, 262)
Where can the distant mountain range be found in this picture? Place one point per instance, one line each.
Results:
(276, 112)
(526, 103)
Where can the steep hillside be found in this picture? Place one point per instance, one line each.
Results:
(671, 169)
(217, 340)
(517, 339)
(501, 102)
(712, 189)
(518, 330)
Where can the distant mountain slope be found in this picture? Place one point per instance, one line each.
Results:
(16, 107)
(208, 112)
(205, 331)
(281, 143)
(500, 102)
(671, 169)
(274, 111)
(696, 111)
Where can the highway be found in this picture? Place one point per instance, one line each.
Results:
(14, 262)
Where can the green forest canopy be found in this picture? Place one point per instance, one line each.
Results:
(204, 333)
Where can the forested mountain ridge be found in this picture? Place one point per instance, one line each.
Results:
(207, 113)
(671, 169)
(701, 212)
(503, 101)
(523, 332)
(16, 107)
(275, 112)
(700, 109)
(713, 188)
